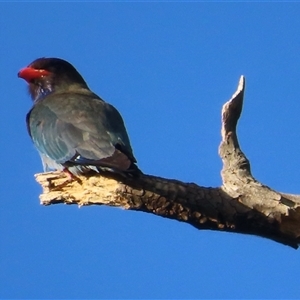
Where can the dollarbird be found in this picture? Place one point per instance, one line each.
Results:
(73, 129)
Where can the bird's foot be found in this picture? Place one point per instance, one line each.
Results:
(71, 176)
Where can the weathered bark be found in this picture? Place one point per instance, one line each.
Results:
(241, 204)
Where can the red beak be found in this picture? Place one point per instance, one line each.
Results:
(29, 73)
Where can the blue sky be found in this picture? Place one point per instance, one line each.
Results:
(168, 68)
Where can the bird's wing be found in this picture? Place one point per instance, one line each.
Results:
(79, 128)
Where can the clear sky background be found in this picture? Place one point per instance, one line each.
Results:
(168, 68)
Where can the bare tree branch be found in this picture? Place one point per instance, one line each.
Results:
(241, 204)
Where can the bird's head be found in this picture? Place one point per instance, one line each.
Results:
(45, 75)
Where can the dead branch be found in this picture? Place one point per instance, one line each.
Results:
(241, 204)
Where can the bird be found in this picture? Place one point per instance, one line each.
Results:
(73, 129)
